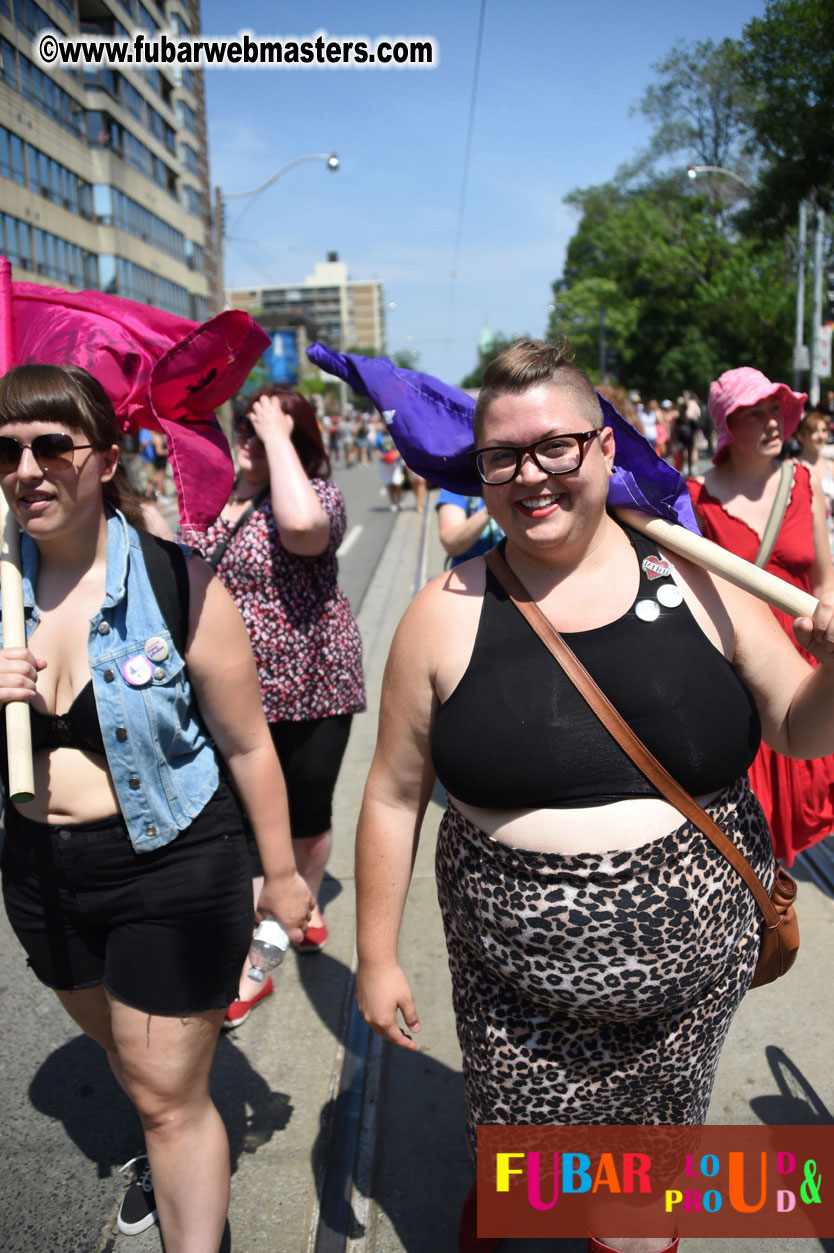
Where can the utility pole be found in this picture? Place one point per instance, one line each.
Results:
(602, 353)
(799, 333)
(816, 315)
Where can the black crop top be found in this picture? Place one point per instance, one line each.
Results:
(516, 734)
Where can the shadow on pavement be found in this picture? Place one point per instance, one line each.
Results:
(796, 1103)
(76, 1087)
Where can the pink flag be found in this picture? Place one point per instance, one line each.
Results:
(160, 371)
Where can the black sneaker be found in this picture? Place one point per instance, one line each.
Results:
(137, 1211)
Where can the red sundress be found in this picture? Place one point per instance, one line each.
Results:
(796, 796)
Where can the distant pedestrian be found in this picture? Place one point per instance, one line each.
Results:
(390, 468)
(160, 467)
(334, 439)
(812, 436)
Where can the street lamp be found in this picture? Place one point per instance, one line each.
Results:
(694, 170)
(331, 160)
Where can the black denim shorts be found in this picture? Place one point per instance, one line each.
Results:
(165, 931)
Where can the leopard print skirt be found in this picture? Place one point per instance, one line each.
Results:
(598, 988)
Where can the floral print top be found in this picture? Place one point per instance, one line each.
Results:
(303, 633)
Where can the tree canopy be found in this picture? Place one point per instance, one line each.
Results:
(693, 277)
(788, 68)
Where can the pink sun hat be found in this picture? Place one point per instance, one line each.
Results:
(736, 389)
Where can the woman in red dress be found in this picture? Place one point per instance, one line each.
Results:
(734, 501)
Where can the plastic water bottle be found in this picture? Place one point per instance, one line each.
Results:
(269, 944)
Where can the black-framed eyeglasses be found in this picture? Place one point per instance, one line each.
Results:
(555, 454)
(52, 452)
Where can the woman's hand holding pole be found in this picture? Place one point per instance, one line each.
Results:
(18, 725)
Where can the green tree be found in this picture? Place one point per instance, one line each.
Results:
(788, 66)
(684, 297)
(700, 105)
(500, 341)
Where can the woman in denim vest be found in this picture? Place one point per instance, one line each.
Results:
(126, 878)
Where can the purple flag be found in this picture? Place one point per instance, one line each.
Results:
(431, 424)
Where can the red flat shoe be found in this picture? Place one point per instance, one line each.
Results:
(239, 1011)
(314, 939)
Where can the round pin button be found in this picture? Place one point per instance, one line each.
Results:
(156, 648)
(669, 595)
(137, 671)
(647, 610)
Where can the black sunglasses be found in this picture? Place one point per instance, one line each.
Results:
(555, 454)
(52, 452)
(244, 430)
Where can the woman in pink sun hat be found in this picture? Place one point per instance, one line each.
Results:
(772, 513)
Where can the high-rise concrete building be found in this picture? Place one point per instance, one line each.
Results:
(104, 179)
(347, 313)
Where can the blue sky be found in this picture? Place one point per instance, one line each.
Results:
(558, 79)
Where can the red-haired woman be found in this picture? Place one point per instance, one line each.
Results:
(274, 547)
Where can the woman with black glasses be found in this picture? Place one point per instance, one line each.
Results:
(598, 946)
(274, 548)
(126, 878)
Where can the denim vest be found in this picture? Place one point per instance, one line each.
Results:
(163, 768)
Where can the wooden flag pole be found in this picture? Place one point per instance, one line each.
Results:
(775, 591)
(18, 723)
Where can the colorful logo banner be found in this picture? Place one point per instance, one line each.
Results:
(720, 1181)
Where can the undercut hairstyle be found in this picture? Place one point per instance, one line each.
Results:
(306, 437)
(70, 397)
(530, 363)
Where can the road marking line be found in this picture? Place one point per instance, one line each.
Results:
(349, 540)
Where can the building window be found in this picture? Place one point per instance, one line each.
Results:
(187, 117)
(49, 97)
(8, 68)
(189, 158)
(11, 156)
(30, 17)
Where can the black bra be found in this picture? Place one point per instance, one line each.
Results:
(79, 727)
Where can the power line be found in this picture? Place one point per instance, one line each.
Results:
(465, 173)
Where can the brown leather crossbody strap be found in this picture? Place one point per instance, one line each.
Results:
(630, 743)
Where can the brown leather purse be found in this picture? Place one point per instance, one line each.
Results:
(780, 927)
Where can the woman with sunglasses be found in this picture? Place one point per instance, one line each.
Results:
(773, 513)
(126, 877)
(274, 548)
(598, 945)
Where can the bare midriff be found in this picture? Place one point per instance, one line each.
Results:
(70, 786)
(611, 828)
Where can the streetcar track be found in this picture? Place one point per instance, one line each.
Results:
(353, 1099)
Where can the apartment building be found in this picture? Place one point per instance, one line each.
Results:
(104, 179)
(346, 313)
